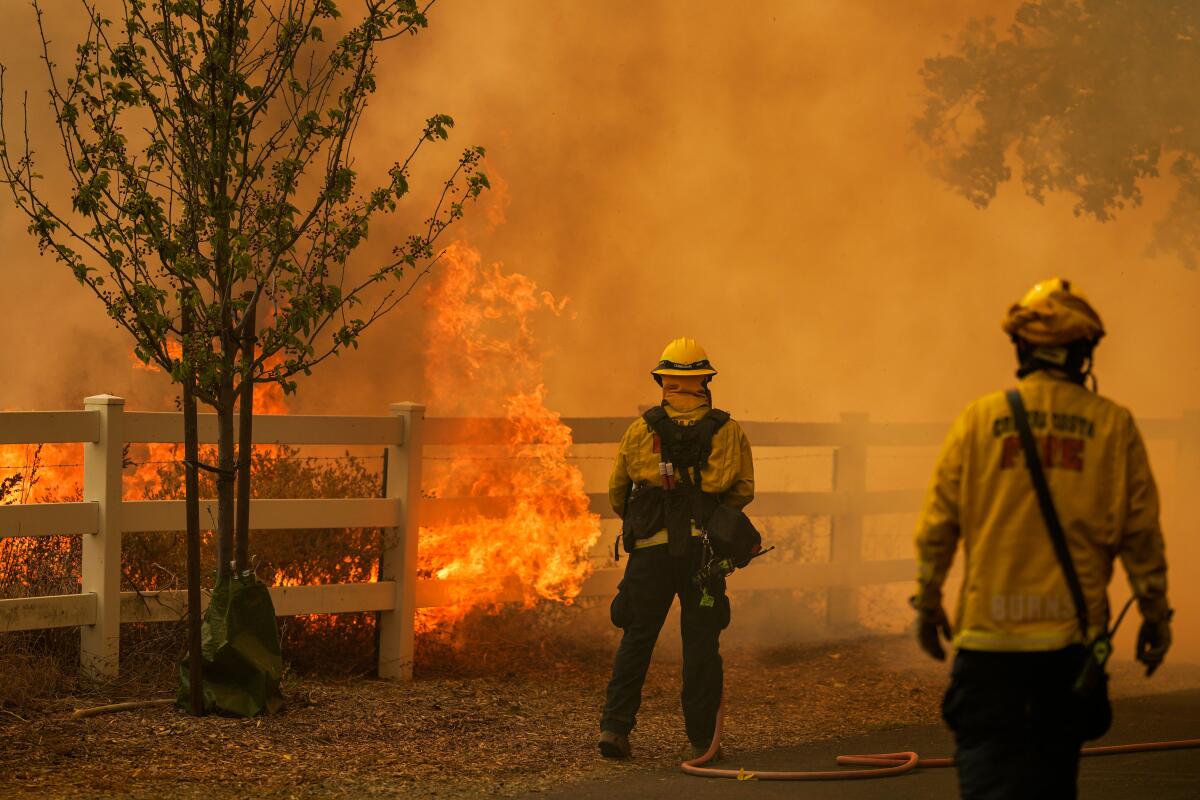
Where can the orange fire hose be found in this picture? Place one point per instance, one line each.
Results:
(882, 765)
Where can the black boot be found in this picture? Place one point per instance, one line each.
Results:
(614, 745)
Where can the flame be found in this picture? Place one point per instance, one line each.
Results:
(174, 350)
(143, 461)
(268, 397)
(484, 361)
(41, 473)
(529, 532)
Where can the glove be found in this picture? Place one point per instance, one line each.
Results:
(931, 623)
(1154, 639)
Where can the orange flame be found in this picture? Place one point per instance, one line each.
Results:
(174, 350)
(142, 478)
(484, 361)
(59, 467)
(45, 473)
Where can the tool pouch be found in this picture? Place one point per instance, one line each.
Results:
(687, 510)
(733, 535)
(644, 515)
(1090, 692)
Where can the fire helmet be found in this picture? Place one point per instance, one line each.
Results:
(683, 356)
(1053, 313)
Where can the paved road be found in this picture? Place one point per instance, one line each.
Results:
(1162, 776)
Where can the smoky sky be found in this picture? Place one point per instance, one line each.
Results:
(748, 179)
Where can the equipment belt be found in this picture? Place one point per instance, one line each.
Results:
(659, 538)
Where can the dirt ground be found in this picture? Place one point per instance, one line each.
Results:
(527, 721)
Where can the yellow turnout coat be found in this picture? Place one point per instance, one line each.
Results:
(1014, 596)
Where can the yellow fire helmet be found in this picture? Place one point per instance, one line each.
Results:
(683, 356)
(1053, 313)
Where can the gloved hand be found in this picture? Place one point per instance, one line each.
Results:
(1154, 639)
(929, 625)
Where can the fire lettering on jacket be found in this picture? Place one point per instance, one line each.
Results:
(1068, 424)
(1057, 452)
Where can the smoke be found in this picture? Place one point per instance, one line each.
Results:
(745, 177)
(750, 180)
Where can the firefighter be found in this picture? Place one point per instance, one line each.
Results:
(674, 465)
(1017, 718)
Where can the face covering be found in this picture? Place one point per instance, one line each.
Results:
(684, 393)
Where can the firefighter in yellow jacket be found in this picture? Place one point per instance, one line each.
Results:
(1017, 724)
(674, 466)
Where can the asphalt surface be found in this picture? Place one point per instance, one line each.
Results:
(1170, 775)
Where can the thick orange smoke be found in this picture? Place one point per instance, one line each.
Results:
(484, 361)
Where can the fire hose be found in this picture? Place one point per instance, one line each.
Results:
(882, 765)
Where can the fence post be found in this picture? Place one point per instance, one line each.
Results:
(400, 546)
(102, 462)
(845, 547)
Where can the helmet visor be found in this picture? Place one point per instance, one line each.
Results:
(675, 368)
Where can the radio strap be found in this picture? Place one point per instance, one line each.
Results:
(1046, 504)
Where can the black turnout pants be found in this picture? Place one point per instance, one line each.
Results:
(653, 578)
(1015, 724)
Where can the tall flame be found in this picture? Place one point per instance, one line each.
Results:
(528, 530)
(484, 361)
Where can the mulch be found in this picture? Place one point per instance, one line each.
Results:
(528, 721)
(501, 718)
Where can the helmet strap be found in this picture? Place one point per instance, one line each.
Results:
(1091, 376)
(1073, 360)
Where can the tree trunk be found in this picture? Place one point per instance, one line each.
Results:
(191, 455)
(225, 478)
(383, 532)
(245, 448)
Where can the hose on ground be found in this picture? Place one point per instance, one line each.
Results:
(94, 711)
(881, 765)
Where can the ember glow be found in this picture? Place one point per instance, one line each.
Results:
(529, 534)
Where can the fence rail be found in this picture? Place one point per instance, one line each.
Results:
(103, 427)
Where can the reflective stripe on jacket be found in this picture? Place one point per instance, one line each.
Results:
(1014, 595)
(728, 473)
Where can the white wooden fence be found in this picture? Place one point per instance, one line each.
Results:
(104, 427)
